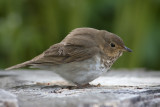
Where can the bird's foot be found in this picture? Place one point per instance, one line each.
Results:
(84, 86)
(98, 85)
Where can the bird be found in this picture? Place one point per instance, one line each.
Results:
(81, 57)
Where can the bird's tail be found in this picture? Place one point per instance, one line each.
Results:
(24, 64)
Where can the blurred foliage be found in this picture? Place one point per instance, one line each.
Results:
(28, 27)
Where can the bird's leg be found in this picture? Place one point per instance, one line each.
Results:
(79, 86)
(88, 85)
(98, 85)
(83, 86)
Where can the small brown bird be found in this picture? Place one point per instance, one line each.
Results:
(82, 56)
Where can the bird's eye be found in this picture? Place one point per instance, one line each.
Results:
(112, 45)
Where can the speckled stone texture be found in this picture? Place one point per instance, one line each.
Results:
(8, 99)
(119, 88)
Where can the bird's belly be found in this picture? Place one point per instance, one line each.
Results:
(81, 72)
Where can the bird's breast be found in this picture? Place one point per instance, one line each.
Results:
(82, 72)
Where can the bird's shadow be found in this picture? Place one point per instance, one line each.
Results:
(43, 87)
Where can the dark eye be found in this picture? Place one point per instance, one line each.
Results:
(112, 45)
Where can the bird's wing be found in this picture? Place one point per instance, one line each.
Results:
(61, 54)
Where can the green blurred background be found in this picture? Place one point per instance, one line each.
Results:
(28, 27)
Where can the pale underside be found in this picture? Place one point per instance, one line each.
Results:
(81, 72)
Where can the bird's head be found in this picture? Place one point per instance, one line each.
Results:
(113, 45)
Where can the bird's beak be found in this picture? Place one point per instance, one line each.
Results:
(127, 49)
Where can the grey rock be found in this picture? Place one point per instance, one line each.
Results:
(120, 88)
(8, 99)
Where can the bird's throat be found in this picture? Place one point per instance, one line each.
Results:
(109, 60)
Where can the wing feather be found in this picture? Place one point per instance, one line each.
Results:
(61, 54)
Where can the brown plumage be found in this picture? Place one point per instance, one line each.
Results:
(78, 46)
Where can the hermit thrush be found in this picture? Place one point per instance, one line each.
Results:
(82, 56)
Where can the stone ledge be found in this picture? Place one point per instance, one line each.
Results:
(8, 99)
(120, 88)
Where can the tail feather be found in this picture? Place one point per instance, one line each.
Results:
(24, 64)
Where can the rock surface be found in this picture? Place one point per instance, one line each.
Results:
(119, 88)
(8, 99)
